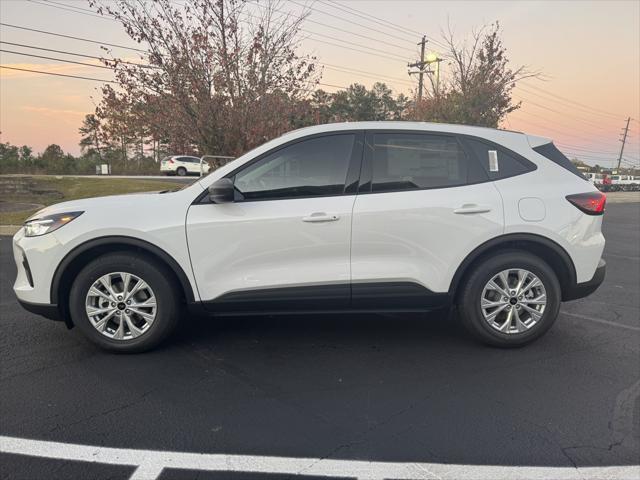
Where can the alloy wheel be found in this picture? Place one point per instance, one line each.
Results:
(121, 306)
(513, 301)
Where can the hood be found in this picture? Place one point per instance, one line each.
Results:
(83, 204)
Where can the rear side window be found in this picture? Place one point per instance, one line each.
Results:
(496, 161)
(407, 161)
(550, 151)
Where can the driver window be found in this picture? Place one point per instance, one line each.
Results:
(314, 167)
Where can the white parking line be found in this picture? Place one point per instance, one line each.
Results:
(602, 320)
(150, 464)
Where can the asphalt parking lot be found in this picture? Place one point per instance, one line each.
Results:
(367, 396)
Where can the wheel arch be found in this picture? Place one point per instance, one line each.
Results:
(73, 262)
(551, 252)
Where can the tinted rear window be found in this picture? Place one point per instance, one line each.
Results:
(403, 161)
(497, 162)
(550, 151)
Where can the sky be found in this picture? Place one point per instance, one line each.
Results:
(587, 51)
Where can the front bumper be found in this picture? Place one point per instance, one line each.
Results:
(581, 290)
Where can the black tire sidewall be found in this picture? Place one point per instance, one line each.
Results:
(471, 312)
(152, 273)
(181, 171)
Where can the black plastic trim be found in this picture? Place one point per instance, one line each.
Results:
(27, 269)
(581, 290)
(130, 241)
(308, 297)
(344, 297)
(508, 238)
(47, 310)
(383, 295)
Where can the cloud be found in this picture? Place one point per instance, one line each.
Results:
(52, 111)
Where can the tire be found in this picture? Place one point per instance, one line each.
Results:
(114, 335)
(516, 334)
(181, 171)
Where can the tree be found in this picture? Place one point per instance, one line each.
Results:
(53, 158)
(217, 74)
(91, 131)
(478, 91)
(357, 103)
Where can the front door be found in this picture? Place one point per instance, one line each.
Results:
(284, 244)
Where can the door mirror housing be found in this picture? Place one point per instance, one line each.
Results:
(222, 191)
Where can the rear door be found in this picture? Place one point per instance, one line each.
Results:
(423, 206)
(284, 244)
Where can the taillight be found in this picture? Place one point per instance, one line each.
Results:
(170, 161)
(591, 203)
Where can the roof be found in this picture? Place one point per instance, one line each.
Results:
(484, 132)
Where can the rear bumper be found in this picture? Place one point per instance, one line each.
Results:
(581, 290)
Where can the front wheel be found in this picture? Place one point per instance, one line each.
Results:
(510, 299)
(124, 302)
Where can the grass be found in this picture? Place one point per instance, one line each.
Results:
(49, 190)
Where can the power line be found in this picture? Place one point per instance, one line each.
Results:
(57, 74)
(64, 52)
(396, 59)
(55, 59)
(71, 37)
(377, 20)
(70, 8)
(392, 54)
(546, 128)
(546, 118)
(574, 102)
(573, 147)
(329, 65)
(350, 21)
(385, 52)
(368, 75)
(564, 102)
(578, 119)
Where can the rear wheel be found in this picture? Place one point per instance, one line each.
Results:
(510, 299)
(124, 302)
(181, 171)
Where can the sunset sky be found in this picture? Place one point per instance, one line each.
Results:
(588, 51)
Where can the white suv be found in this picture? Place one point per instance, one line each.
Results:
(372, 216)
(182, 165)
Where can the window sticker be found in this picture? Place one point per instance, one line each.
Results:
(493, 161)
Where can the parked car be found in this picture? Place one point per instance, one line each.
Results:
(182, 165)
(595, 178)
(371, 216)
(625, 183)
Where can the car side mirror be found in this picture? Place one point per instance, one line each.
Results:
(222, 191)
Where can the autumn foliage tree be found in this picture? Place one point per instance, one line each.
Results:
(478, 87)
(216, 76)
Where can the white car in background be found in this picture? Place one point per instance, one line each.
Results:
(182, 165)
(359, 217)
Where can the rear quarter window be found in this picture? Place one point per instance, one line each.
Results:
(551, 152)
(498, 162)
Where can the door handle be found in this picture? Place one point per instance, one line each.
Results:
(318, 217)
(469, 208)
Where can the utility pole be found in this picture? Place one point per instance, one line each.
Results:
(420, 66)
(624, 140)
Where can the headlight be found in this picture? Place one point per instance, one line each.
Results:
(47, 224)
